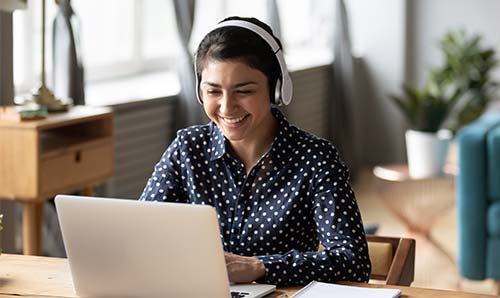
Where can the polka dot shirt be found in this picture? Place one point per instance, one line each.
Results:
(297, 196)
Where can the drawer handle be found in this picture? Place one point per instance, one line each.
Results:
(78, 156)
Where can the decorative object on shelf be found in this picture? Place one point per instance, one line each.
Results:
(454, 95)
(42, 100)
(44, 96)
(25, 112)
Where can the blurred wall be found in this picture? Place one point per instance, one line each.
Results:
(397, 41)
(432, 19)
(378, 30)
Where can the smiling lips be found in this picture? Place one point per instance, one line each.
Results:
(233, 120)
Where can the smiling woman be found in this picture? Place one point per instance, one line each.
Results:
(236, 98)
(279, 192)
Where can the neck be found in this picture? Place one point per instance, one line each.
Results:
(250, 150)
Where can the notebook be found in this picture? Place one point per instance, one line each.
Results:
(129, 248)
(320, 289)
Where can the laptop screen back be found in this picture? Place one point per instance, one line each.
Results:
(125, 248)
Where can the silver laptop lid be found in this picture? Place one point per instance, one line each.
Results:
(128, 248)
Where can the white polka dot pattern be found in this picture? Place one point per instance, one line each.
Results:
(297, 196)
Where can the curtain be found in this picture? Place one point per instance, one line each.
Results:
(7, 98)
(68, 73)
(189, 111)
(6, 60)
(273, 17)
(341, 127)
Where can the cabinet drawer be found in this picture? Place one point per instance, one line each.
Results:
(75, 168)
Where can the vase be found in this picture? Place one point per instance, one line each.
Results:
(427, 152)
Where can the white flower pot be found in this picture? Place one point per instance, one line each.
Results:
(427, 152)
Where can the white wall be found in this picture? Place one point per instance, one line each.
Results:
(378, 30)
(433, 18)
(397, 41)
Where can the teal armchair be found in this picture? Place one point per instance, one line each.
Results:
(478, 198)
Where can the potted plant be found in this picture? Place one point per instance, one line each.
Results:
(454, 95)
(469, 65)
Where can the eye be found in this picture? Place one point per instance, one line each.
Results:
(245, 91)
(213, 91)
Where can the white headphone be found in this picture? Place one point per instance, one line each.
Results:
(284, 86)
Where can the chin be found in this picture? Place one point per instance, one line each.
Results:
(234, 138)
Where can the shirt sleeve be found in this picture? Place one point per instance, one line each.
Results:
(165, 184)
(339, 227)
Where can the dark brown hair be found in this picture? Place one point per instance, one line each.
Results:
(236, 43)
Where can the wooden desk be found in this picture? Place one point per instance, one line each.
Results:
(30, 276)
(63, 153)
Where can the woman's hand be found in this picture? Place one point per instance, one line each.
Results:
(243, 269)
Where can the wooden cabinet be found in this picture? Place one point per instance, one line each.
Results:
(63, 153)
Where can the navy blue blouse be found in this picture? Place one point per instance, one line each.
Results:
(297, 196)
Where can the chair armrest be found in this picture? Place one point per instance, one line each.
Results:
(402, 263)
(402, 271)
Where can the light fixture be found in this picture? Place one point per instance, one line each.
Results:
(44, 96)
(42, 99)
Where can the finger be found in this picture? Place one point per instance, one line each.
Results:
(228, 254)
(229, 257)
(240, 272)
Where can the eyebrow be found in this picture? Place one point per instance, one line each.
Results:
(242, 84)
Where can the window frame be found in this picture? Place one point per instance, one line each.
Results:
(136, 65)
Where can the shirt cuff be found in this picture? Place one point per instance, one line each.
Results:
(276, 272)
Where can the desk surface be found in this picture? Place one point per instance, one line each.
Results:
(36, 277)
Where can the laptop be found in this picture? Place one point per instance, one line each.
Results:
(129, 248)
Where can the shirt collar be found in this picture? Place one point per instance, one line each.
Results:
(284, 140)
(218, 144)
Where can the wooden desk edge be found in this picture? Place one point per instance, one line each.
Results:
(61, 265)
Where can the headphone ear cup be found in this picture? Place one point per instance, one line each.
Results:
(277, 100)
(286, 89)
(198, 90)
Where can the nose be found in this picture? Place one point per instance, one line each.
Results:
(227, 103)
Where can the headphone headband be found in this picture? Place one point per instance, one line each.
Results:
(284, 87)
(254, 28)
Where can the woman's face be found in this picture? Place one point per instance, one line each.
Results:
(236, 97)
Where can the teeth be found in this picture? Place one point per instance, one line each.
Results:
(233, 120)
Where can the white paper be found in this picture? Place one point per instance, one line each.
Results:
(324, 290)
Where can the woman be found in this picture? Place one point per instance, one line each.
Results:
(279, 191)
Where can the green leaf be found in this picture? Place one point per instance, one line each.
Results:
(458, 91)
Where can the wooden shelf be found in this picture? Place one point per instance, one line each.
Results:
(63, 153)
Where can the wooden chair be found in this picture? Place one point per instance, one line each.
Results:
(393, 259)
